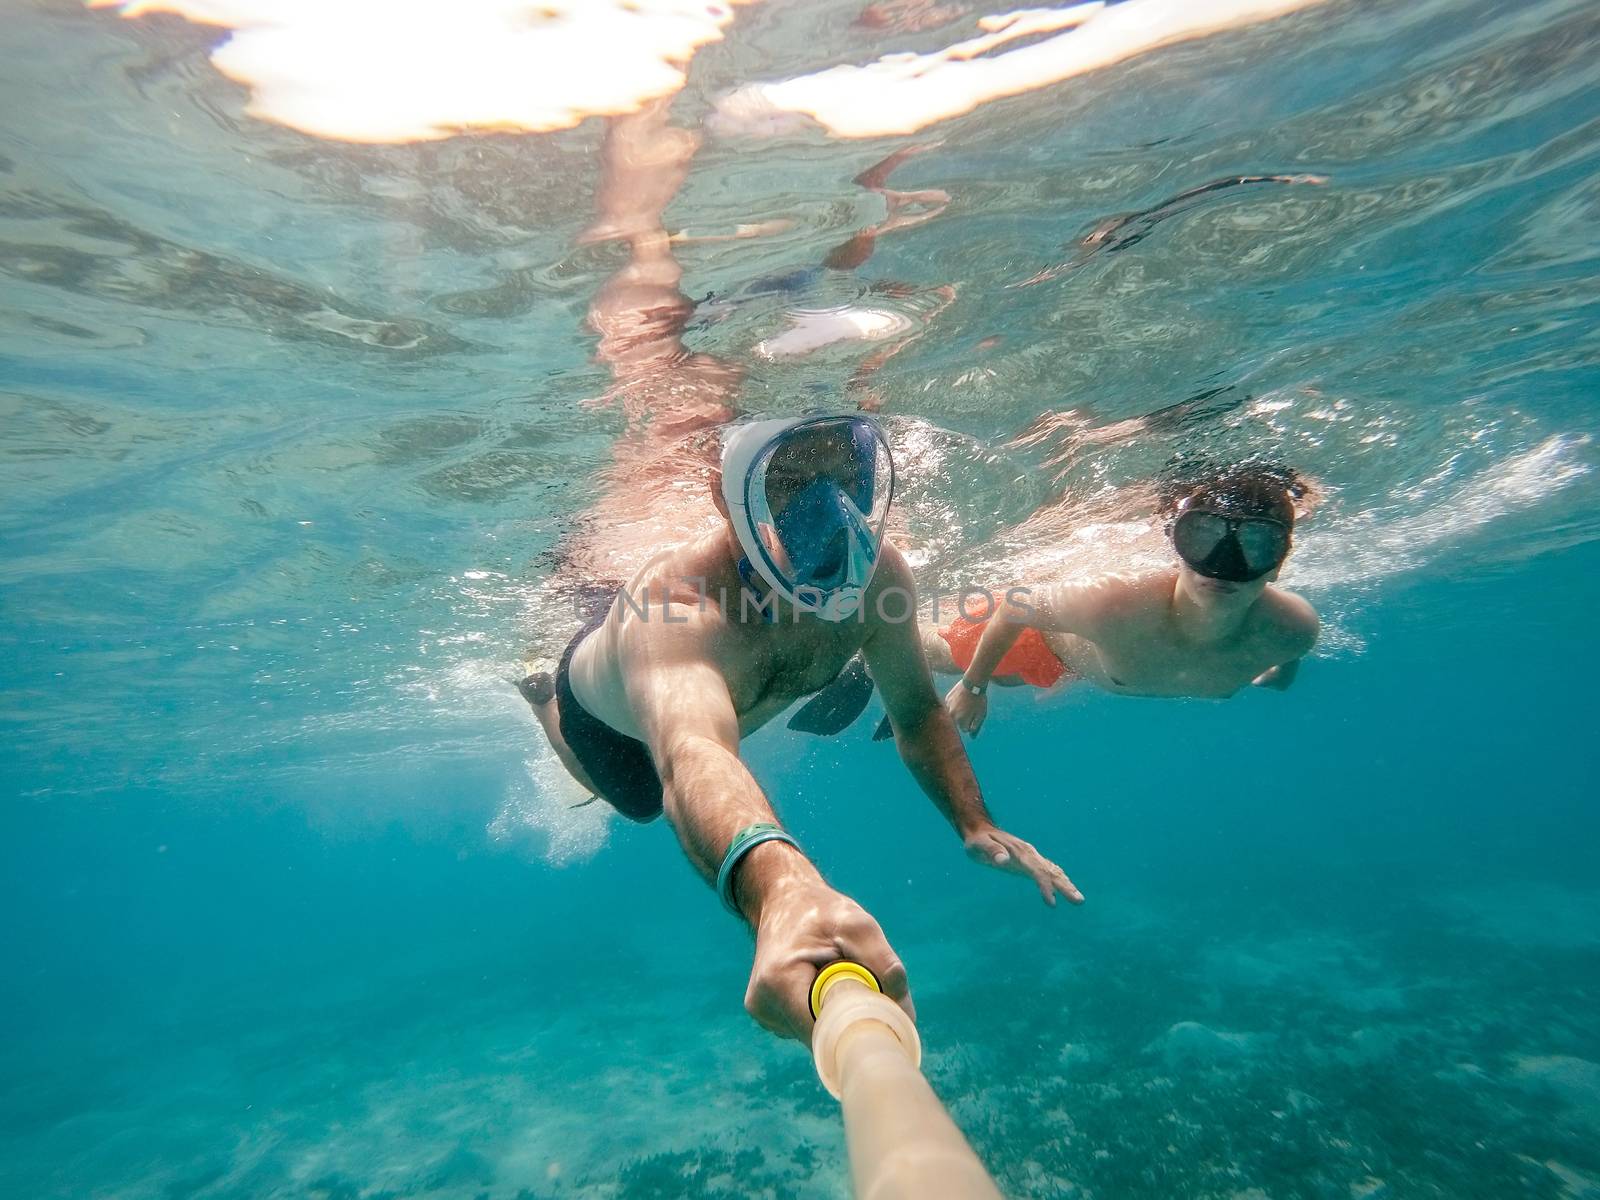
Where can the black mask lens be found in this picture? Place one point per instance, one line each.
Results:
(1233, 549)
(1197, 535)
(1264, 544)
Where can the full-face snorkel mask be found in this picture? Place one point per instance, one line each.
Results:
(1222, 545)
(808, 498)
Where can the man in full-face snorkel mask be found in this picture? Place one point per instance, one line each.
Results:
(714, 638)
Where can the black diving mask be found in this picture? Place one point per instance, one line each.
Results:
(1234, 549)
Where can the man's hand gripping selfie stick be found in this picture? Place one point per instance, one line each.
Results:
(902, 1143)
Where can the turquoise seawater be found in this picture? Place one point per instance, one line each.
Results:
(297, 434)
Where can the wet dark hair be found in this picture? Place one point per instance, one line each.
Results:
(1249, 488)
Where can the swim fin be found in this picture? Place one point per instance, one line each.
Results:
(883, 732)
(835, 707)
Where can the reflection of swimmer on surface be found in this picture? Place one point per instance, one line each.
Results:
(716, 633)
(673, 399)
(884, 311)
(1206, 627)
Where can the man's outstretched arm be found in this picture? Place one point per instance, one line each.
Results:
(926, 736)
(683, 707)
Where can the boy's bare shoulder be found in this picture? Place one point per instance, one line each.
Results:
(1120, 601)
(1290, 618)
(1149, 592)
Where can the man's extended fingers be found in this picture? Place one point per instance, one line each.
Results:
(1067, 887)
(1052, 879)
(1047, 889)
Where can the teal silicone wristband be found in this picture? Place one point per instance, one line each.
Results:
(746, 840)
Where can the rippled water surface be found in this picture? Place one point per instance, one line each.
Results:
(305, 444)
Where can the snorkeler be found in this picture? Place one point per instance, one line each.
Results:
(1206, 627)
(712, 639)
(738, 607)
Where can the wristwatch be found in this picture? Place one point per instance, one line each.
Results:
(973, 688)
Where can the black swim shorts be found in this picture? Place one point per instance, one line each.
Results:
(619, 765)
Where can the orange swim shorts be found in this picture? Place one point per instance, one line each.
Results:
(1030, 658)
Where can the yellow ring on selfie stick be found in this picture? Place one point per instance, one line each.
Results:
(832, 974)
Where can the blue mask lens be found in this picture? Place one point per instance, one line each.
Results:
(816, 528)
(859, 488)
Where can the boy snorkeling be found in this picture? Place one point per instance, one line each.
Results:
(1207, 626)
